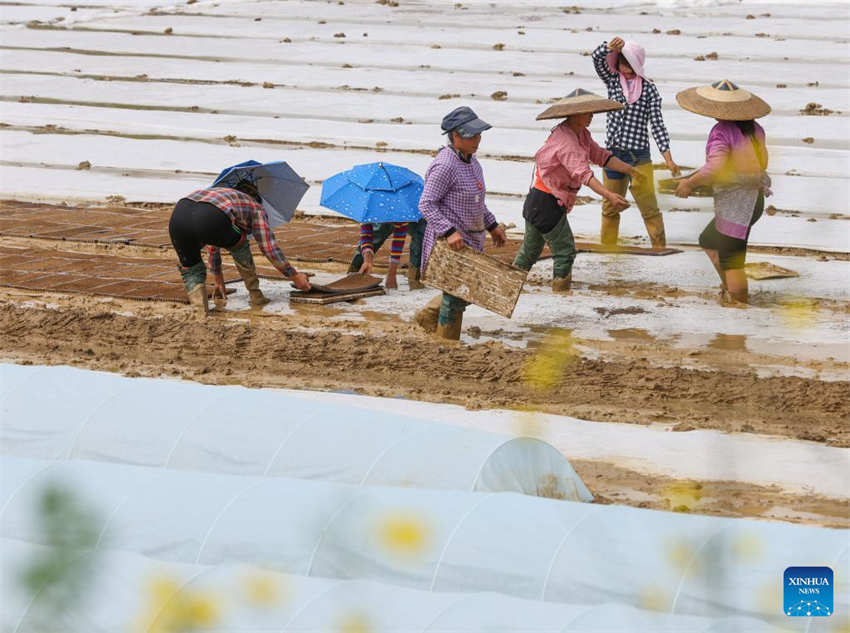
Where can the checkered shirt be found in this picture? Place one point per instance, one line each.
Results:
(249, 217)
(453, 198)
(627, 127)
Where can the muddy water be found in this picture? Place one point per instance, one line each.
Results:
(613, 484)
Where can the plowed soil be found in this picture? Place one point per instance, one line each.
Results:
(392, 358)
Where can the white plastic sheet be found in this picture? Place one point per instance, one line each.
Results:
(528, 547)
(62, 413)
(247, 599)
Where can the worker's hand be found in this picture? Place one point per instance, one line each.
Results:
(391, 281)
(455, 241)
(299, 280)
(368, 259)
(498, 235)
(618, 201)
(616, 44)
(684, 188)
(673, 167)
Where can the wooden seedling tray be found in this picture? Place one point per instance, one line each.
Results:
(475, 277)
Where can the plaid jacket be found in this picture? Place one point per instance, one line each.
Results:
(453, 200)
(249, 217)
(627, 127)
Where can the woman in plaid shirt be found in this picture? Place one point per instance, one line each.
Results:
(221, 217)
(453, 204)
(620, 65)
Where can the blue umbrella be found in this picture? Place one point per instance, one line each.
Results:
(279, 186)
(375, 192)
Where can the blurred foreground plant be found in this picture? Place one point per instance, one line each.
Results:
(59, 577)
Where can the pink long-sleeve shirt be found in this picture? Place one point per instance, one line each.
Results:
(730, 156)
(563, 163)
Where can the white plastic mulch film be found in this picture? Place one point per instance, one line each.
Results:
(132, 592)
(64, 413)
(444, 541)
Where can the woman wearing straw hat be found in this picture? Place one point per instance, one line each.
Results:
(736, 160)
(620, 64)
(561, 167)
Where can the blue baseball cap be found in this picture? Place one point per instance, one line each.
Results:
(464, 121)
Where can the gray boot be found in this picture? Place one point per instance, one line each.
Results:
(451, 330)
(610, 230)
(655, 229)
(427, 316)
(413, 278)
(562, 284)
(248, 271)
(195, 280)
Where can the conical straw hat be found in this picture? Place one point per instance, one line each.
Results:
(579, 102)
(723, 100)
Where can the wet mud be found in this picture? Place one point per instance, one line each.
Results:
(393, 358)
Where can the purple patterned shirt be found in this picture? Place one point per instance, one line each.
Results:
(453, 198)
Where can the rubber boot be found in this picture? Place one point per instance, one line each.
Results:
(195, 280)
(427, 317)
(413, 278)
(655, 229)
(199, 300)
(248, 271)
(610, 230)
(562, 284)
(451, 330)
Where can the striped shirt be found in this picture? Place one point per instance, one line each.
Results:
(627, 128)
(453, 200)
(396, 246)
(249, 217)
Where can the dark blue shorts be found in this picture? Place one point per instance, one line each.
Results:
(630, 157)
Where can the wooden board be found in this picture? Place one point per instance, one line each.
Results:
(323, 298)
(475, 277)
(766, 270)
(353, 282)
(668, 185)
(623, 249)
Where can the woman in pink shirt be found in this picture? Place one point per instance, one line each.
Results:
(735, 164)
(562, 166)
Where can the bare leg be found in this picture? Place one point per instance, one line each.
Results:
(736, 284)
(714, 256)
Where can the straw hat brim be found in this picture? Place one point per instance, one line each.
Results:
(751, 108)
(566, 107)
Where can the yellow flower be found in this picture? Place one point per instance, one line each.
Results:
(262, 589)
(798, 313)
(681, 555)
(172, 609)
(546, 368)
(355, 623)
(682, 496)
(654, 599)
(403, 534)
(748, 547)
(529, 424)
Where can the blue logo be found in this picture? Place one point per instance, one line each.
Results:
(808, 591)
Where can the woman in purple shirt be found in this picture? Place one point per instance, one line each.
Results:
(736, 160)
(452, 202)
